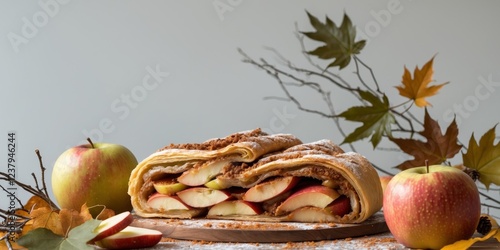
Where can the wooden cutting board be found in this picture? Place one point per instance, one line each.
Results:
(261, 232)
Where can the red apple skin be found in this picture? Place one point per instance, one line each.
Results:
(431, 210)
(96, 175)
(125, 221)
(131, 238)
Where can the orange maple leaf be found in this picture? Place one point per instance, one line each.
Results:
(416, 88)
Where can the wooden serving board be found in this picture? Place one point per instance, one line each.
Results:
(260, 232)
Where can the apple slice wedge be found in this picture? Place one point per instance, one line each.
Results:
(216, 184)
(168, 186)
(164, 202)
(198, 176)
(310, 214)
(112, 225)
(203, 197)
(316, 196)
(131, 238)
(234, 207)
(270, 189)
(340, 206)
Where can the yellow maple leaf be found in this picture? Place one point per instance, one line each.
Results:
(417, 88)
(466, 244)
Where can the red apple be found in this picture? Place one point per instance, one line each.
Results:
(316, 196)
(431, 207)
(131, 238)
(270, 189)
(164, 202)
(203, 197)
(112, 225)
(234, 207)
(93, 174)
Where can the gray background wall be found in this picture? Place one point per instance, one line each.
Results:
(69, 67)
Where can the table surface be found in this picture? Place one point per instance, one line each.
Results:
(378, 241)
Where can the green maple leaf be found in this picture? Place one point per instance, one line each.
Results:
(339, 42)
(43, 238)
(376, 119)
(484, 158)
(436, 149)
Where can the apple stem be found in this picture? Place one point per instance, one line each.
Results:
(91, 143)
(427, 165)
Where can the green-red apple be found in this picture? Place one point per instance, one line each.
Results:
(430, 207)
(93, 174)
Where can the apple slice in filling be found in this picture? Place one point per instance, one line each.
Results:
(203, 197)
(200, 175)
(316, 196)
(340, 206)
(164, 202)
(216, 184)
(310, 214)
(168, 186)
(269, 189)
(234, 207)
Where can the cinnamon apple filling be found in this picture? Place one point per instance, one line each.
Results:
(254, 176)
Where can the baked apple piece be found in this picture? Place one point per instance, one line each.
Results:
(234, 207)
(269, 189)
(203, 197)
(339, 207)
(316, 196)
(164, 202)
(168, 186)
(202, 174)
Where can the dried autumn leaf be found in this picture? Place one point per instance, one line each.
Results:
(339, 42)
(43, 238)
(46, 218)
(436, 149)
(484, 157)
(101, 215)
(70, 219)
(105, 213)
(376, 119)
(35, 202)
(85, 212)
(416, 88)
